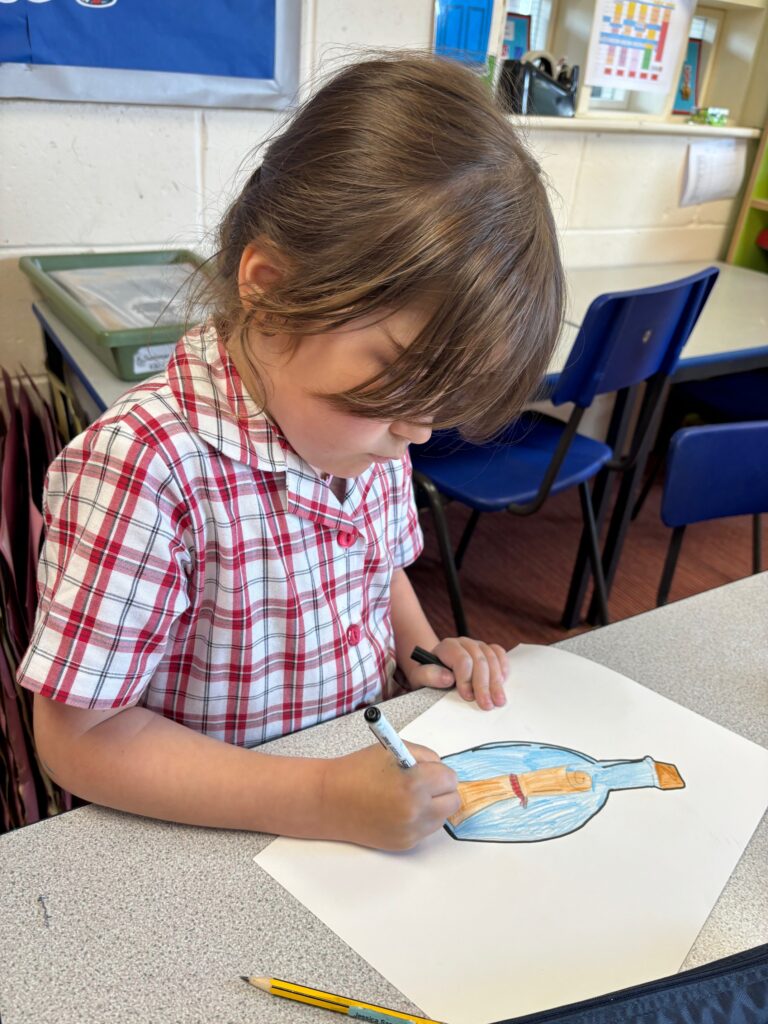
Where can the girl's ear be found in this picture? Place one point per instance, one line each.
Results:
(257, 273)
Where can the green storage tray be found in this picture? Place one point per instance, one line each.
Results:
(131, 353)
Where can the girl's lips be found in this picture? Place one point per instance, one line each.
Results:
(386, 458)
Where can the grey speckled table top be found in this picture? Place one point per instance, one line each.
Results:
(106, 917)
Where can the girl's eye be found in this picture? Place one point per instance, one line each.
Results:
(382, 362)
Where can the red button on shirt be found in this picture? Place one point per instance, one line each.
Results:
(353, 634)
(345, 539)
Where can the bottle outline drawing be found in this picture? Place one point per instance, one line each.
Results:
(526, 791)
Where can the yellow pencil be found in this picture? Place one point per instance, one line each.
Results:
(330, 1001)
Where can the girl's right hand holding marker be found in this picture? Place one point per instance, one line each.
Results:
(370, 800)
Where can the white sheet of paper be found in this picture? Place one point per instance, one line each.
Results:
(474, 932)
(714, 170)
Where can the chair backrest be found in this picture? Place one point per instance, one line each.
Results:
(627, 337)
(716, 471)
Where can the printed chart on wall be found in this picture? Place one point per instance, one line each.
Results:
(636, 45)
(599, 822)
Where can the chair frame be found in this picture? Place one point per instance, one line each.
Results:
(452, 561)
(646, 409)
(673, 552)
(640, 402)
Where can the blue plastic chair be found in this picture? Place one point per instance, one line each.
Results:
(628, 343)
(714, 472)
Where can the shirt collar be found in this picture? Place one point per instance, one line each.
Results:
(214, 401)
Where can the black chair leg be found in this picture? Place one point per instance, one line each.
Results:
(650, 480)
(446, 553)
(757, 552)
(601, 496)
(466, 537)
(669, 565)
(631, 477)
(621, 419)
(590, 529)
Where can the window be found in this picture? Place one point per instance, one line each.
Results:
(540, 12)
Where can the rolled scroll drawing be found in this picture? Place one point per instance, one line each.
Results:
(527, 792)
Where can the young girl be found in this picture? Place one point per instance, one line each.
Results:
(226, 546)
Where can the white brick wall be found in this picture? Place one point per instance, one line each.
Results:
(86, 176)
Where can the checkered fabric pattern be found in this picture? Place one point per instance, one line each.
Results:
(196, 565)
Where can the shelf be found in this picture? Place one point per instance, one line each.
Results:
(737, 5)
(632, 125)
(753, 216)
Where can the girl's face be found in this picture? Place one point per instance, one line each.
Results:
(332, 441)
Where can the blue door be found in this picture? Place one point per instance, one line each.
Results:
(462, 29)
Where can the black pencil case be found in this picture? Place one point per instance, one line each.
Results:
(733, 990)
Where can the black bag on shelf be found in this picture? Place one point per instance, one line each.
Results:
(528, 87)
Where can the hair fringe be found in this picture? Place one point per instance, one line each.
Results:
(401, 182)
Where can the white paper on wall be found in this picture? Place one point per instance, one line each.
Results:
(479, 931)
(714, 170)
(637, 46)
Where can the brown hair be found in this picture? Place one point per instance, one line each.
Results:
(402, 182)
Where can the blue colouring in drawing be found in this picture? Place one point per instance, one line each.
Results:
(528, 792)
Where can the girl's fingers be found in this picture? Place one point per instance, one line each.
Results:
(498, 697)
(444, 806)
(501, 657)
(460, 661)
(479, 669)
(433, 676)
(481, 677)
(422, 754)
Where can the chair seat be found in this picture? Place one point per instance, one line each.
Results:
(491, 476)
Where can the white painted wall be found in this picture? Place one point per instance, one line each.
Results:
(96, 177)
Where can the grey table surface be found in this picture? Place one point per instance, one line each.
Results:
(109, 917)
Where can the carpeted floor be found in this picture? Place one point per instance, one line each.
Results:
(516, 572)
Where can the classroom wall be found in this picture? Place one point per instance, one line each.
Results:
(90, 176)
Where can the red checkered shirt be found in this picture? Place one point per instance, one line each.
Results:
(196, 565)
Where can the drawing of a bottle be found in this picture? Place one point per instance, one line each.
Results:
(527, 792)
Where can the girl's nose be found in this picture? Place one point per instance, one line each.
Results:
(413, 433)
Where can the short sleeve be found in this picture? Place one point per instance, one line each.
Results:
(410, 539)
(112, 573)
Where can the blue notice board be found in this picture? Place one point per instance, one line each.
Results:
(186, 50)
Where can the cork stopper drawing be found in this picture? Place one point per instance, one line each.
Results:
(528, 792)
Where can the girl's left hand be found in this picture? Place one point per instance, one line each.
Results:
(478, 669)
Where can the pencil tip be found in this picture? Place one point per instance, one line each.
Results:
(245, 978)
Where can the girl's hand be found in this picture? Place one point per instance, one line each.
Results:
(369, 799)
(478, 669)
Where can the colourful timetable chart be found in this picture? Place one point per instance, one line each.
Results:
(638, 45)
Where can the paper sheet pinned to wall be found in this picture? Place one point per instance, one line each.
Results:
(714, 170)
(473, 932)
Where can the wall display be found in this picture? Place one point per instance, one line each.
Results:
(235, 53)
(687, 95)
(517, 36)
(637, 45)
(714, 170)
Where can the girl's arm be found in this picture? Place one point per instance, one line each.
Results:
(478, 669)
(136, 760)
